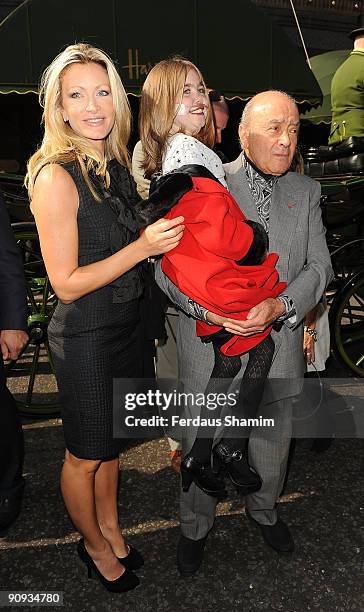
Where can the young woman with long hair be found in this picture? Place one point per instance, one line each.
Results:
(221, 263)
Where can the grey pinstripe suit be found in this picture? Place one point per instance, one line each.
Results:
(297, 234)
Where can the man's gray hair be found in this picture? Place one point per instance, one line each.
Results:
(245, 118)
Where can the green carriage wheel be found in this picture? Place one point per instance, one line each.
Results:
(347, 324)
(347, 260)
(34, 366)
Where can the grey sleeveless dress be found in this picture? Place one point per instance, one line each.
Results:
(98, 337)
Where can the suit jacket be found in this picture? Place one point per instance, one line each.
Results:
(204, 264)
(13, 302)
(297, 234)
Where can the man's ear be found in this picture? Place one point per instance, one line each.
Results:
(243, 136)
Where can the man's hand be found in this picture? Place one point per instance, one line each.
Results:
(12, 341)
(258, 319)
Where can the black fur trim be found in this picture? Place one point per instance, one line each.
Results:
(168, 191)
(259, 247)
(217, 338)
(197, 171)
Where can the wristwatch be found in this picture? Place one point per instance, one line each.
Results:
(311, 332)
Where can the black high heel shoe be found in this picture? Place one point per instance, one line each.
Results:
(235, 463)
(126, 582)
(133, 560)
(202, 475)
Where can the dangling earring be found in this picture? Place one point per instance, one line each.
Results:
(65, 119)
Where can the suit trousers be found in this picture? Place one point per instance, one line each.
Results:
(268, 447)
(11, 440)
(268, 454)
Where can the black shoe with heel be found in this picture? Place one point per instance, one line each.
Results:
(202, 475)
(235, 463)
(126, 582)
(133, 560)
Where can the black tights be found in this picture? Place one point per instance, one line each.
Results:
(250, 394)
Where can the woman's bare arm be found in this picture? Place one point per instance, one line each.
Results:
(55, 206)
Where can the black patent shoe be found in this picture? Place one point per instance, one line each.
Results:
(235, 464)
(126, 582)
(133, 560)
(190, 555)
(202, 475)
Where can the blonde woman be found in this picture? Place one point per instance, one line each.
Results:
(80, 190)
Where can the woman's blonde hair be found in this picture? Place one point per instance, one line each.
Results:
(163, 85)
(60, 143)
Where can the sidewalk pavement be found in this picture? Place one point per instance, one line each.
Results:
(323, 503)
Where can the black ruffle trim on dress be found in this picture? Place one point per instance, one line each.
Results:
(121, 197)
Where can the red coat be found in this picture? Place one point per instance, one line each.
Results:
(203, 264)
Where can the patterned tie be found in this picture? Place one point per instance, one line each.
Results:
(261, 190)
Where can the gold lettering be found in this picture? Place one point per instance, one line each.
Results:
(137, 63)
(141, 70)
(130, 64)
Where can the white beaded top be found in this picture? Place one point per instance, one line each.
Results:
(183, 149)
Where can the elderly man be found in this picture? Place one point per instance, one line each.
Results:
(13, 337)
(287, 204)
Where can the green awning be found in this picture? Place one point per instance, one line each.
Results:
(324, 67)
(236, 44)
(15, 88)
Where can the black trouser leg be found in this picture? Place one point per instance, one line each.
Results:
(11, 439)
